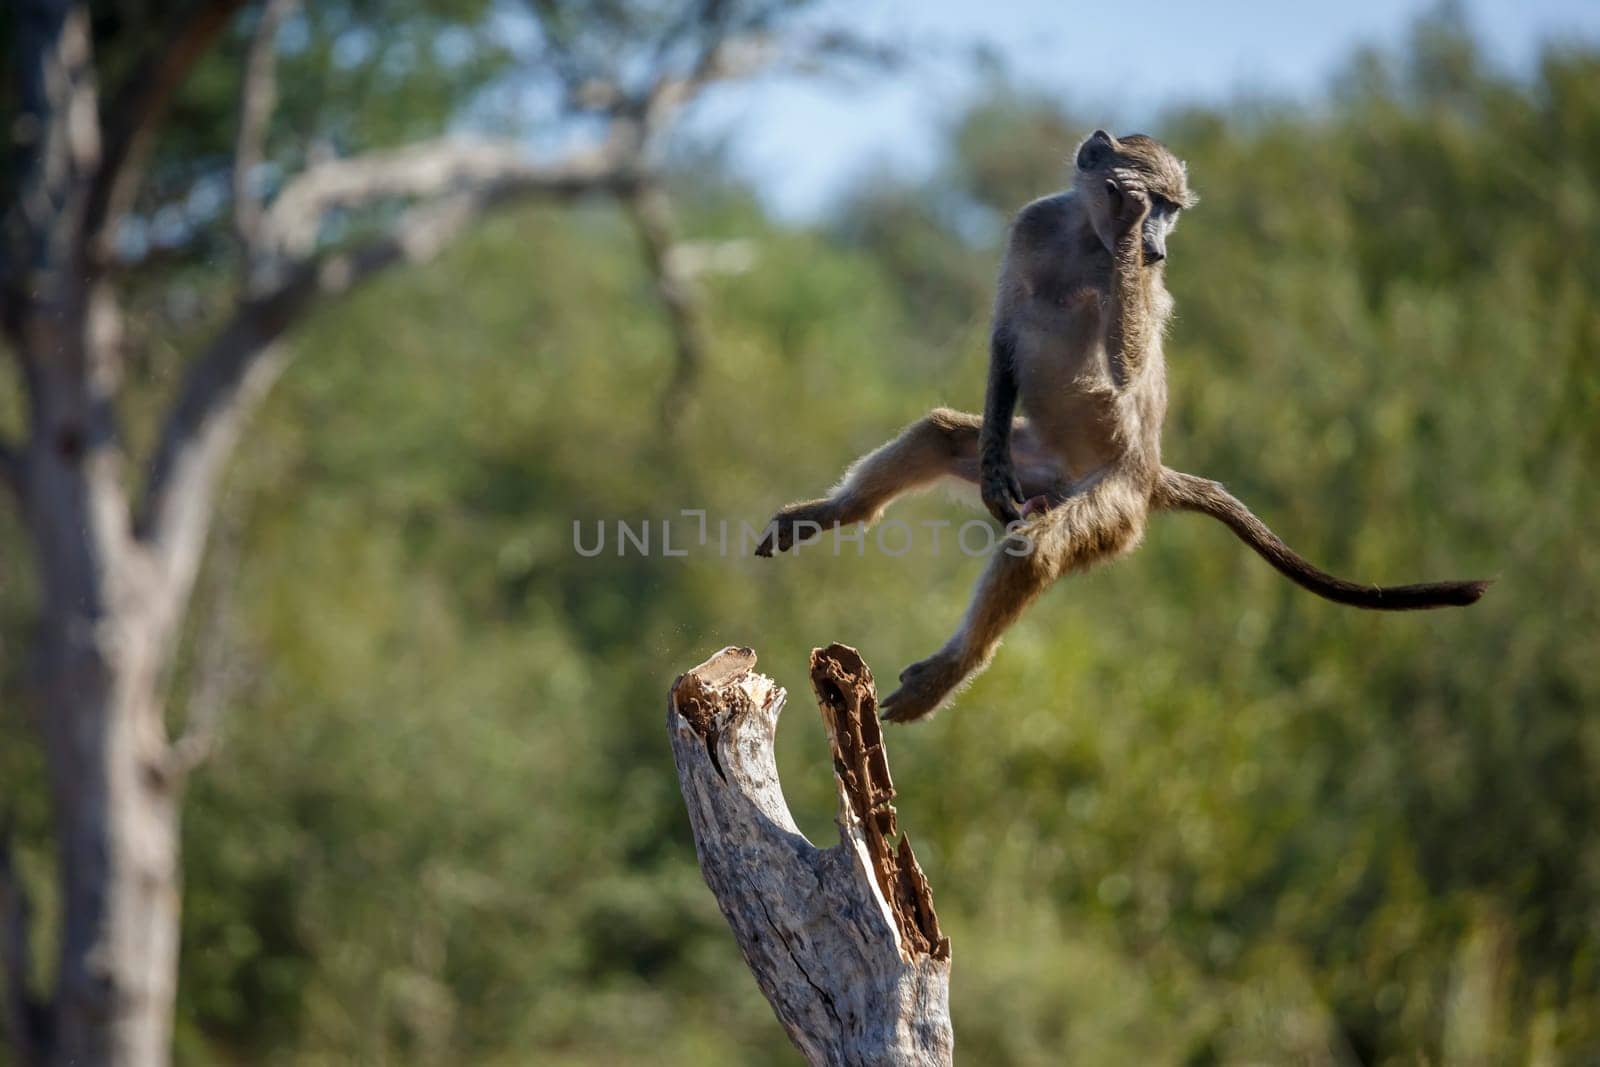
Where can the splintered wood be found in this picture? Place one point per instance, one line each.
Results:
(697, 693)
(843, 941)
(849, 701)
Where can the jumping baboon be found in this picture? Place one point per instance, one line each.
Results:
(1078, 323)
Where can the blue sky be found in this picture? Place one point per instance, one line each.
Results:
(804, 139)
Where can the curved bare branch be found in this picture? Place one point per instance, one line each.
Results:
(236, 370)
(426, 170)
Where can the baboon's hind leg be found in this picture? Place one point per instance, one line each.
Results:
(1072, 536)
(1009, 584)
(941, 444)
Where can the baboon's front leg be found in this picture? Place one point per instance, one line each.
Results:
(997, 475)
(941, 444)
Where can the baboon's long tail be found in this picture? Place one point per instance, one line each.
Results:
(1185, 492)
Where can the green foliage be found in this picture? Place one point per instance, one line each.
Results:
(1191, 815)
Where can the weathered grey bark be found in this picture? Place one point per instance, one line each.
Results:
(843, 941)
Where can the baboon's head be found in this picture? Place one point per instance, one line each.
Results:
(1134, 161)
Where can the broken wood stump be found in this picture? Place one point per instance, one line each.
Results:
(843, 941)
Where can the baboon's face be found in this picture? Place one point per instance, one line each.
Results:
(1133, 162)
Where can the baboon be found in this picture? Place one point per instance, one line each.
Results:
(1078, 321)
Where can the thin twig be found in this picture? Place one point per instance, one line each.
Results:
(650, 210)
(144, 101)
(258, 98)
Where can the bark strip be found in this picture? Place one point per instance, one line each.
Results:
(849, 701)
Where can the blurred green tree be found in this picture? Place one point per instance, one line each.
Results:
(156, 146)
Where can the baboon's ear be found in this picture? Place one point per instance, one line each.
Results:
(1096, 150)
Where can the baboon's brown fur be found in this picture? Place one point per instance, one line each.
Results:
(1079, 316)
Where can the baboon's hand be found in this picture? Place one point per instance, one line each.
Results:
(1129, 205)
(1001, 491)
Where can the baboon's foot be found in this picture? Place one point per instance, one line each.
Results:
(924, 687)
(797, 523)
(1036, 505)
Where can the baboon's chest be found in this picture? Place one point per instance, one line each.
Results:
(1065, 385)
(1061, 351)
(1066, 394)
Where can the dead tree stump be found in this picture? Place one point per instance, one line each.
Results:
(843, 941)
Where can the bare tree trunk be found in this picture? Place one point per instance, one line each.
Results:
(843, 941)
(104, 642)
(105, 628)
(117, 836)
